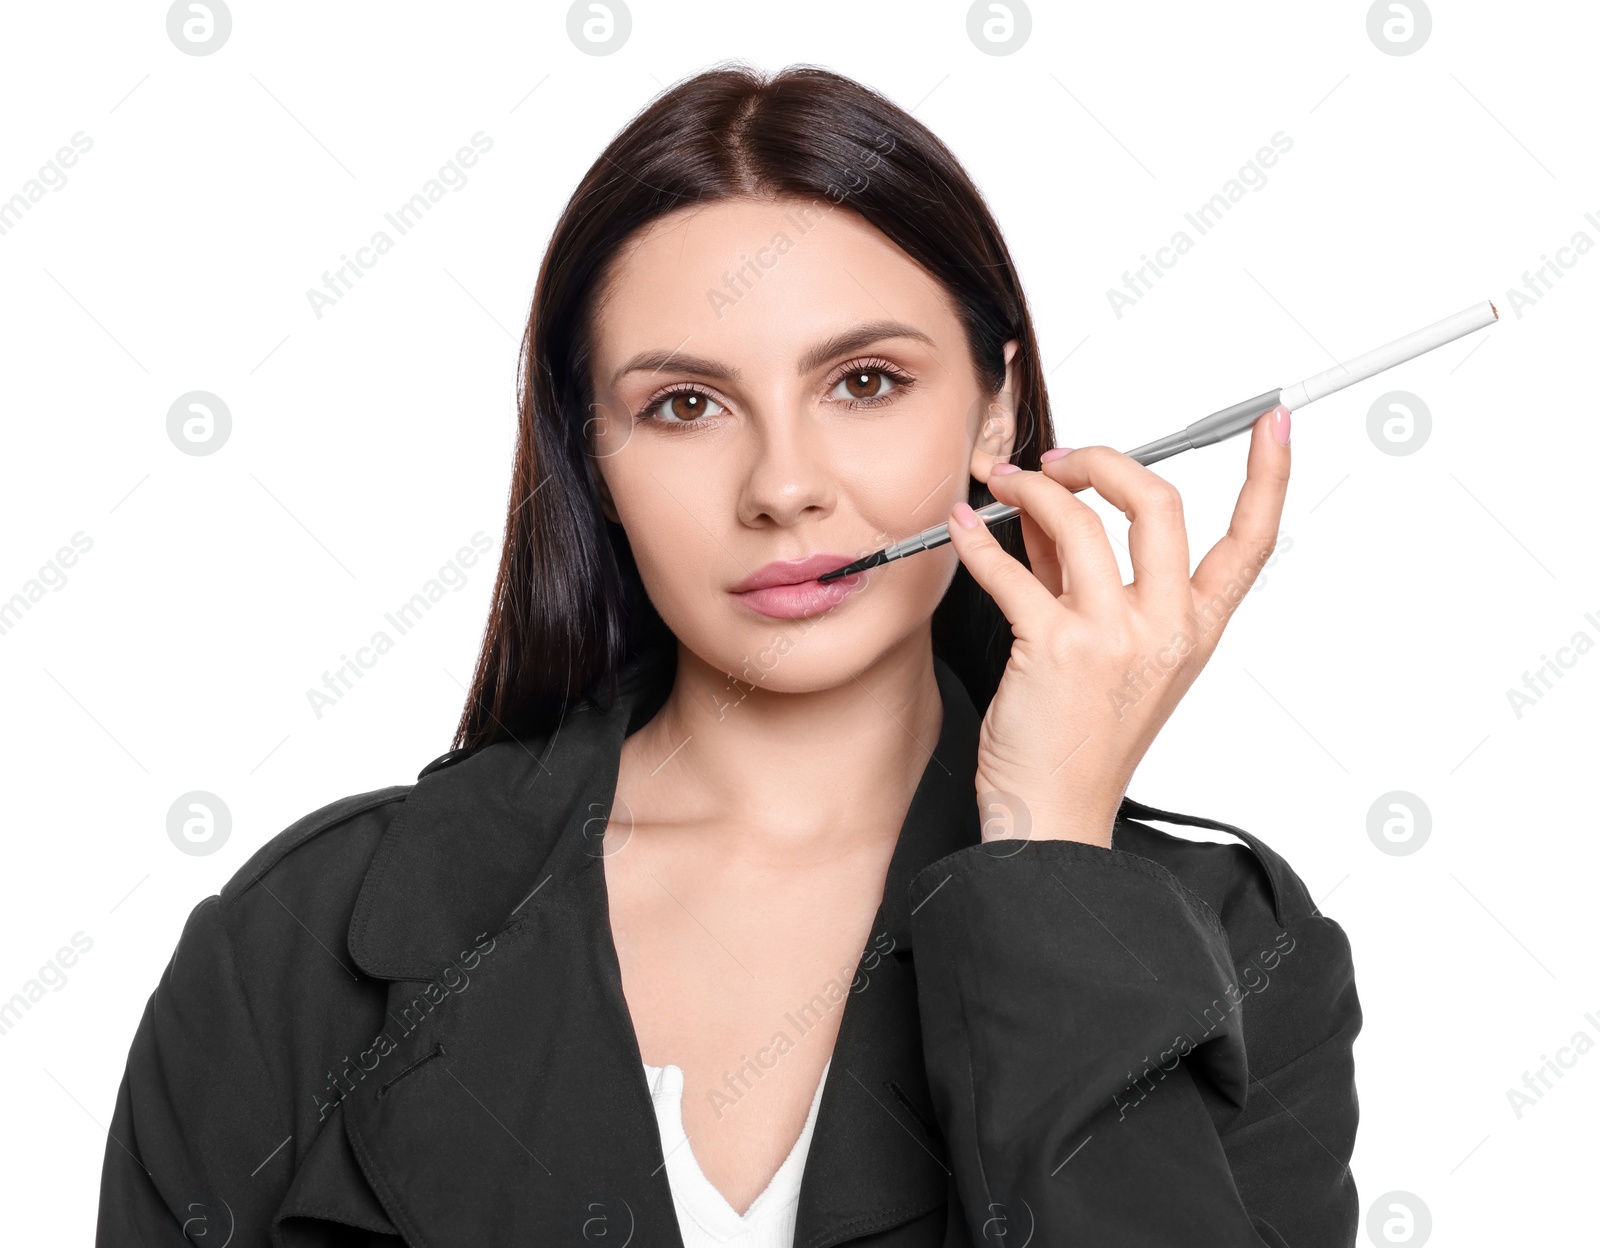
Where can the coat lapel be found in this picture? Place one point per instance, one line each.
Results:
(877, 1157)
(512, 1102)
(518, 1112)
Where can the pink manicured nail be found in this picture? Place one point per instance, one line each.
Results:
(965, 516)
(1055, 453)
(999, 470)
(1280, 425)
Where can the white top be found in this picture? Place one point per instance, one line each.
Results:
(705, 1218)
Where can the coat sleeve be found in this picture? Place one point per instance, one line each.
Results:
(1085, 1022)
(196, 1103)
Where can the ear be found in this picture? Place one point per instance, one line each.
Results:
(997, 428)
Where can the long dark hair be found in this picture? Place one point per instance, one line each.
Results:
(569, 608)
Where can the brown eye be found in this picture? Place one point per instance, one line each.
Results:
(686, 405)
(864, 384)
(867, 385)
(681, 407)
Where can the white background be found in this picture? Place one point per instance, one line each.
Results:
(369, 445)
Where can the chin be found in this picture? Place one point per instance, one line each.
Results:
(797, 655)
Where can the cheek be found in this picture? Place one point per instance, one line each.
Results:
(913, 490)
(670, 525)
(913, 487)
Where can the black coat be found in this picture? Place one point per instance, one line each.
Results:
(402, 1021)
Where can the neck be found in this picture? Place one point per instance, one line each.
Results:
(781, 774)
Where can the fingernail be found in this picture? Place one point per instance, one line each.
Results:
(965, 516)
(1280, 425)
(1001, 469)
(1055, 453)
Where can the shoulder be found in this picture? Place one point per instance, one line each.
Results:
(283, 917)
(342, 833)
(1292, 963)
(278, 929)
(1248, 881)
(263, 970)
(321, 858)
(258, 1000)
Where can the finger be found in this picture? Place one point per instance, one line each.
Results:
(1231, 566)
(1042, 558)
(1158, 542)
(1027, 604)
(1088, 563)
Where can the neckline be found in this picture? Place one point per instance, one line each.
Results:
(949, 826)
(531, 805)
(694, 1193)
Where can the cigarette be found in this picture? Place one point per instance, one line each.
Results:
(1228, 422)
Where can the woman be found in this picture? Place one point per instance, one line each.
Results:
(750, 909)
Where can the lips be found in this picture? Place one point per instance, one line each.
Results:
(788, 589)
(791, 571)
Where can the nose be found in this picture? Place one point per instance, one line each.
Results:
(788, 479)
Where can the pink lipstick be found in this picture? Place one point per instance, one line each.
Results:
(788, 589)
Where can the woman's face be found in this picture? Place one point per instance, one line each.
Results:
(776, 381)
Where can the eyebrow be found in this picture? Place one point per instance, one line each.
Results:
(852, 339)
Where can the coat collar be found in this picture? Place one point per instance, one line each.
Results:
(482, 829)
(518, 1105)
